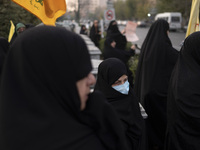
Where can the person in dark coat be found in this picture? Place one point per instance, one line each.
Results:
(95, 33)
(83, 30)
(110, 51)
(183, 105)
(4, 46)
(20, 28)
(45, 100)
(156, 61)
(114, 33)
(112, 80)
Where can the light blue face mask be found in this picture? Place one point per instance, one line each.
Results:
(123, 88)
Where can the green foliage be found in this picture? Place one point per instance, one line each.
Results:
(174, 6)
(143, 8)
(138, 9)
(132, 9)
(98, 14)
(121, 10)
(101, 46)
(131, 6)
(133, 63)
(11, 11)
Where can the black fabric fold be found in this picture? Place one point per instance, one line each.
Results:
(183, 107)
(156, 61)
(39, 100)
(4, 46)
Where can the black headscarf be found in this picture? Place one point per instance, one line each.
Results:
(83, 30)
(114, 33)
(113, 28)
(4, 46)
(157, 59)
(126, 106)
(39, 101)
(183, 109)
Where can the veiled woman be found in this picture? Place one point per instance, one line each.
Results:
(112, 80)
(45, 100)
(83, 30)
(183, 107)
(156, 61)
(110, 51)
(95, 33)
(114, 33)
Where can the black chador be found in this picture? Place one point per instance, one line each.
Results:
(156, 61)
(114, 33)
(126, 106)
(183, 107)
(39, 100)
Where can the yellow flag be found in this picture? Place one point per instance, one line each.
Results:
(12, 31)
(193, 24)
(46, 10)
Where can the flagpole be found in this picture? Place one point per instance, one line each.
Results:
(193, 24)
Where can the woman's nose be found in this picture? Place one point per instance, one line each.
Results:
(92, 79)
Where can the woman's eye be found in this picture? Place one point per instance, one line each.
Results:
(117, 83)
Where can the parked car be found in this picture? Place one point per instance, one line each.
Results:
(142, 24)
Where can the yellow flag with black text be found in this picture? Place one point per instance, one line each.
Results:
(12, 31)
(46, 10)
(193, 24)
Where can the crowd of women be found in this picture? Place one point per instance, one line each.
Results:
(45, 99)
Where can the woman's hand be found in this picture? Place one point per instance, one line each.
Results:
(133, 47)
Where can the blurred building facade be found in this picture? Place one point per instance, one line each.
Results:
(88, 6)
